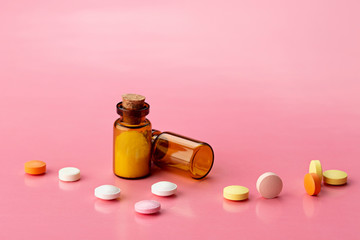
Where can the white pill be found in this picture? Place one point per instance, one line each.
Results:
(69, 174)
(107, 192)
(164, 188)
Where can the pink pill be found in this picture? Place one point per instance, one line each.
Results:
(269, 185)
(147, 207)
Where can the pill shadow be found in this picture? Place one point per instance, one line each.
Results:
(336, 186)
(174, 196)
(207, 179)
(147, 219)
(334, 190)
(155, 169)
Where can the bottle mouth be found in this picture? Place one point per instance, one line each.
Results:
(135, 113)
(201, 164)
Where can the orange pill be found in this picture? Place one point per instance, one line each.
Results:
(312, 184)
(35, 167)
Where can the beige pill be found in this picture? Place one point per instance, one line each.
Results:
(269, 185)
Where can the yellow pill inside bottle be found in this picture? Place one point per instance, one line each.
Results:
(132, 151)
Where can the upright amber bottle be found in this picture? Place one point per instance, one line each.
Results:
(132, 138)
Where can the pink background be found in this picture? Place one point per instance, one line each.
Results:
(270, 85)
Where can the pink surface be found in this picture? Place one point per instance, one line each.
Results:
(270, 85)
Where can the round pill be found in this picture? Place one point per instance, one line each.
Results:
(164, 188)
(107, 192)
(147, 207)
(312, 184)
(69, 174)
(315, 167)
(335, 177)
(269, 185)
(236, 193)
(35, 167)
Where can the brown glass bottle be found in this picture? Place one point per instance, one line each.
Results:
(178, 152)
(132, 140)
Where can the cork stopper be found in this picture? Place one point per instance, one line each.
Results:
(133, 101)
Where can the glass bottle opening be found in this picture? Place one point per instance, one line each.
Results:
(202, 161)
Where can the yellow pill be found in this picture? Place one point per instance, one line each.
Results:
(236, 193)
(315, 167)
(335, 177)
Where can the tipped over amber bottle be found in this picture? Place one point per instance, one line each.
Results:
(132, 138)
(174, 151)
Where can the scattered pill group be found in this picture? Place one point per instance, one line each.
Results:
(162, 189)
(107, 192)
(312, 180)
(269, 185)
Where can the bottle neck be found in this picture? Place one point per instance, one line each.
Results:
(130, 120)
(133, 116)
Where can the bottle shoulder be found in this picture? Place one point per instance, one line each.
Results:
(118, 123)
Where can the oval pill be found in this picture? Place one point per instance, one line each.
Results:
(107, 192)
(236, 193)
(335, 177)
(164, 188)
(69, 174)
(315, 167)
(269, 185)
(35, 167)
(147, 207)
(312, 184)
